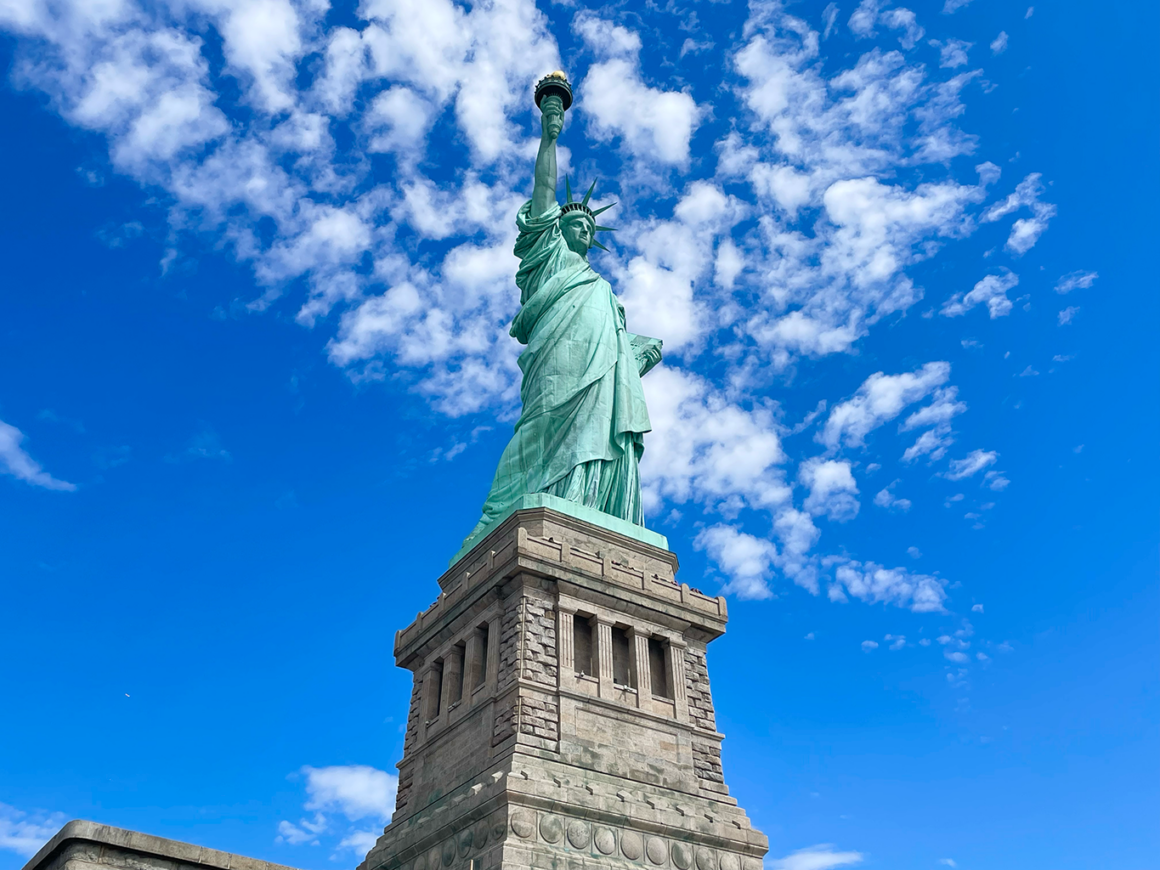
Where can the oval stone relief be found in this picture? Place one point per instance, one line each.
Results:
(420, 862)
(498, 825)
(605, 841)
(706, 859)
(448, 853)
(682, 856)
(631, 846)
(656, 850)
(522, 825)
(729, 861)
(578, 834)
(481, 831)
(465, 843)
(551, 828)
(751, 864)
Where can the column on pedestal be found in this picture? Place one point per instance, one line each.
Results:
(432, 701)
(566, 645)
(604, 656)
(641, 675)
(676, 650)
(474, 664)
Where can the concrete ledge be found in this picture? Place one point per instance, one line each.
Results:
(97, 844)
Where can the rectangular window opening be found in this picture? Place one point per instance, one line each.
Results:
(621, 657)
(479, 666)
(435, 691)
(582, 644)
(658, 668)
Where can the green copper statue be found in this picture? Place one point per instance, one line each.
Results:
(580, 435)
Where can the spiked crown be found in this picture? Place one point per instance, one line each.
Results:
(572, 205)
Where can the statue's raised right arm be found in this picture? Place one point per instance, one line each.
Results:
(551, 123)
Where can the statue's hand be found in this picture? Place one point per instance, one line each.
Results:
(650, 357)
(552, 121)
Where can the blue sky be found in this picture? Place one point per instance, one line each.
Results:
(255, 377)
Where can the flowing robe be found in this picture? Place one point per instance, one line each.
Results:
(579, 435)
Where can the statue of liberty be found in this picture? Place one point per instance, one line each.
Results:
(580, 434)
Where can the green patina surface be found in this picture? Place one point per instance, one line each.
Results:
(580, 435)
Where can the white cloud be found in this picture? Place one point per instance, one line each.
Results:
(880, 399)
(1068, 314)
(942, 409)
(704, 448)
(747, 560)
(833, 492)
(1025, 232)
(887, 499)
(650, 122)
(359, 842)
(933, 443)
(15, 460)
(673, 257)
(863, 19)
(999, 43)
(991, 290)
(914, 552)
(876, 584)
(952, 6)
(23, 833)
(829, 18)
(901, 18)
(306, 831)
(976, 608)
(948, 862)
(897, 641)
(971, 464)
(356, 790)
(869, 645)
(820, 857)
(996, 480)
(1080, 280)
(953, 53)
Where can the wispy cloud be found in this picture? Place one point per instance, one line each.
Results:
(23, 832)
(820, 857)
(14, 460)
(356, 792)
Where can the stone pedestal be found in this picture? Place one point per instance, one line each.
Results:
(561, 712)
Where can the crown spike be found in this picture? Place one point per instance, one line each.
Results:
(598, 245)
(567, 189)
(591, 188)
(604, 208)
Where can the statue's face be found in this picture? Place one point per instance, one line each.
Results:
(578, 231)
